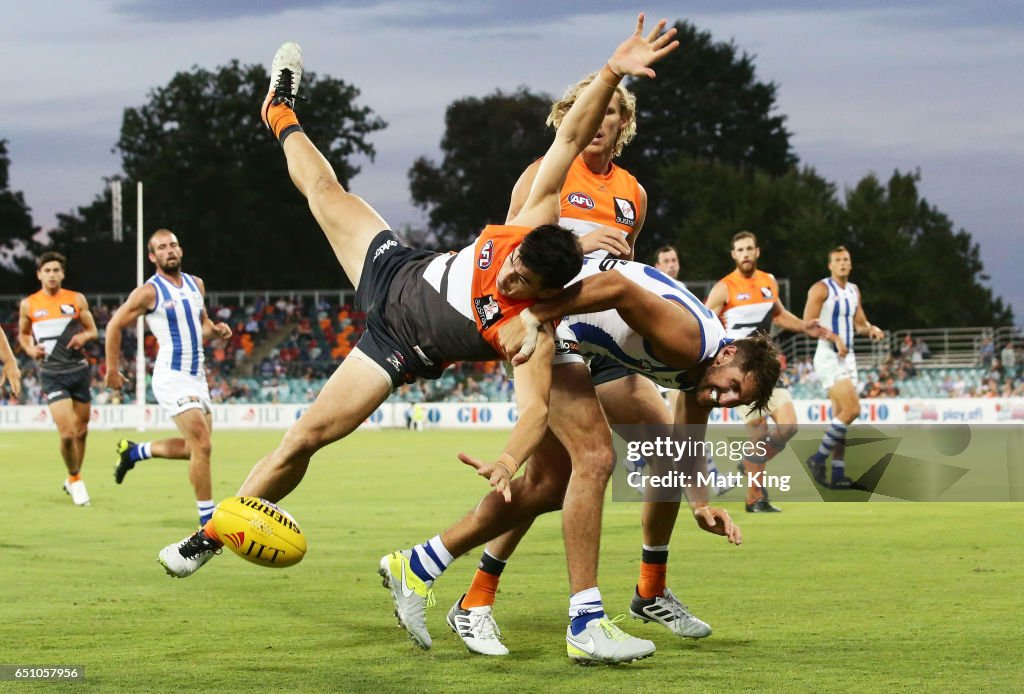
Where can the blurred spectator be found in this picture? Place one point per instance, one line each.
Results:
(1009, 359)
(986, 350)
(921, 351)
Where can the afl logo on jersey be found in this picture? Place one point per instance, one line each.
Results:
(743, 296)
(168, 305)
(581, 200)
(486, 256)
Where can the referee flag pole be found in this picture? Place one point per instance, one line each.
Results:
(140, 324)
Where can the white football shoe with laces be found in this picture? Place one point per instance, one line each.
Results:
(603, 642)
(182, 559)
(477, 628)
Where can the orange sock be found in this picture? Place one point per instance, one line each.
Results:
(753, 490)
(75, 477)
(652, 579)
(278, 117)
(481, 590)
(210, 532)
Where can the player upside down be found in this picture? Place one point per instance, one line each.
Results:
(425, 309)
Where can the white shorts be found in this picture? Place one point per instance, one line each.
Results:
(830, 368)
(177, 391)
(780, 397)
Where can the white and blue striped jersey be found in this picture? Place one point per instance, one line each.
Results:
(837, 313)
(606, 333)
(177, 323)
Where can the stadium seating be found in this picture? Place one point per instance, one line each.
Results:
(285, 346)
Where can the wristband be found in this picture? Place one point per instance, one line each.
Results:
(509, 463)
(612, 78)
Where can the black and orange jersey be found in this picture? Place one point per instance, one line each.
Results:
(55, 319)
(751, 303)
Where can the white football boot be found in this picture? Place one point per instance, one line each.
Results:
(285, 75)
(410, 594)
(477, 628)
(666, 610)
(182, 559)
(603, 642)
(77, 492)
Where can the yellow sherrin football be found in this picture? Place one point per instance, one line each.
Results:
(259, 531)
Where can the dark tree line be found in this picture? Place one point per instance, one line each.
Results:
(712, 151)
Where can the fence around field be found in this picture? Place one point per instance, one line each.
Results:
(503, 415)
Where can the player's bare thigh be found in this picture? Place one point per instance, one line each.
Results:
(352, 393)
(633, 400)
(575, 415)
(348, 221)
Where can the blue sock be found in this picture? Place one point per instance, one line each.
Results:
(835, 434)
(838, 470)
(141, 451)
(584, 607)
(205, 510)
(429, 560)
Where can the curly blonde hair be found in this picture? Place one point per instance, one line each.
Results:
(627, 104)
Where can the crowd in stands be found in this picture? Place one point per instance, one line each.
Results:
(906, 373)
(282, 351)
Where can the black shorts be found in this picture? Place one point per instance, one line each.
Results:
(66, 384)
(605, 370)
(385, 256)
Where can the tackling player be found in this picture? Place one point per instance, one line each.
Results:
(426, 309)
(54, 325)
(835, 302)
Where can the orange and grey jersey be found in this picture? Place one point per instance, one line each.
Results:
(54, 321)
(837, 313)
(590, 201)
(605, 333)
(751, 303)
(447, 307)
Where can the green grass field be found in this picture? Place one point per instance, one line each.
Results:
(823, 597)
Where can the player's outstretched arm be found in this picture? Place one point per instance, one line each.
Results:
(691, 421)
(139, 301)
(533, 386)
(633, 57)
(662, 323)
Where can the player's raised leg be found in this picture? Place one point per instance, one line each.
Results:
(347, 220)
